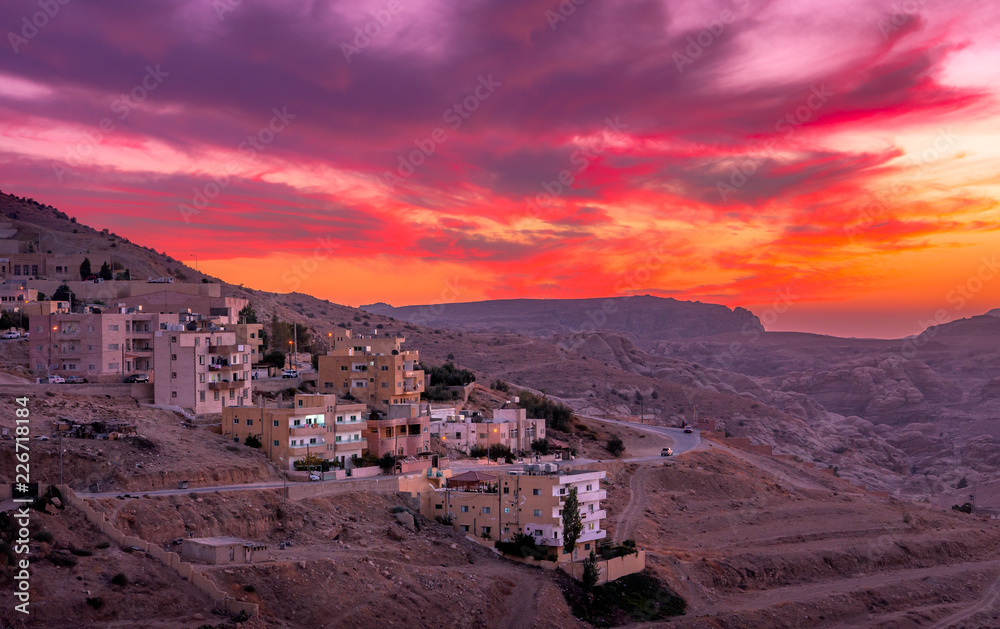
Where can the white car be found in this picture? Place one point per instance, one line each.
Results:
(290, 373)
(11, 334)
(314, 477)
(666, 452)
(56, 380)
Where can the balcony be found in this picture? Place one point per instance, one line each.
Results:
(222, 367)
(307, 431)
(225, 349)
(593, 516)
(307, 446)
(226, 384)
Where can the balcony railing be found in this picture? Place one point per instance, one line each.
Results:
(225, 349)
(225, 384)
(304, 446)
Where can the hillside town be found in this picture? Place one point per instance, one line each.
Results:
(352, 409)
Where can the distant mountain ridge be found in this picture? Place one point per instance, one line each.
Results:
(644, 318)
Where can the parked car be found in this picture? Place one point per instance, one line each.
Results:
(75, 380)
(11, 334)
(290, 373)
(55, 380)
(136, 378)
(314, 477)
(666, 452)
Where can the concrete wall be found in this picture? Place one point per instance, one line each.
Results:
(611, 569)
(366, 472)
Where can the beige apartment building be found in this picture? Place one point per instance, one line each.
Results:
(371, 368)
(529, 502)
(509, 427)
(200, 369)
(404, 431)
(101, 347)
(311, 424)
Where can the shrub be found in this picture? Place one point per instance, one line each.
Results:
(96, 602)
(103, 545)
(249, 588)
(449, 375)
(500, 385)
(44, 536)
(63, 561)
(965, 508)
(616, 446)
(81, 552)
(962, 484)
(557, 416)
(119, 579)
(252, 441)
(541, 446)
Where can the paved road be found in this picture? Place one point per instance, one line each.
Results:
(680, 442)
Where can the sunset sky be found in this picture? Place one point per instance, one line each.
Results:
(839, 158)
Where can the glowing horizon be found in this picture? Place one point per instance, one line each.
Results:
(728, 151)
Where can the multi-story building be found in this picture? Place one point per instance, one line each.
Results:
(372, 369)
(311, 424)
(403, 431)
(102, 347)
(13, 293)
(528, 502)
(201, 369)
(509, 427)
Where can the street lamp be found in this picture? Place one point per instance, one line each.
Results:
(329, 342)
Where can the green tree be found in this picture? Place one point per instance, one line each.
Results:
(105, 272)
(557, 416)
(591, 572)
(252, 441)
(571, 521)
(274, 358)
(85, 270)
(63, 293)
(7, 320)
(541, 446)
(247, 314)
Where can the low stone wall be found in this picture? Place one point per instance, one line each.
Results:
(170, 559)
(611, 569)
(119, 389)
(382, 484)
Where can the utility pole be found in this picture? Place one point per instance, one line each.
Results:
(295, 336)
(60, 459)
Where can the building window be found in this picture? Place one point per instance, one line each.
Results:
(486, 509)
(201, 359)
(173, 357)
(201, 377)
(465, 528)
(112, 327)
(201, 395)
(588, 488)
(249, 422)
(536, 492)
(216, 396)
(465, 508)
(114, 366)
(439, 507)
(173, 375)
(538, 513)
(113, 346)
(275, 425)
(173, 394)
(275, 442)
(236, 420)
(343, 367)
(385, 385)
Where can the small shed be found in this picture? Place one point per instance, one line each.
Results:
(473, 480)
(223, 550)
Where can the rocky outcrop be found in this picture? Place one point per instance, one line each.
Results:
(645, 318)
